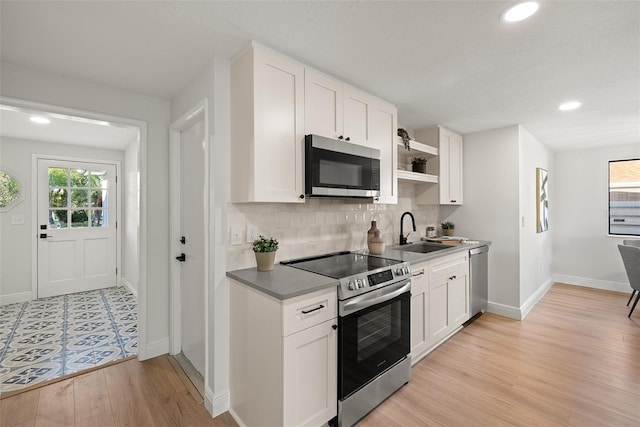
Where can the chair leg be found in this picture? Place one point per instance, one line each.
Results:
(634, 305)
(631, 297)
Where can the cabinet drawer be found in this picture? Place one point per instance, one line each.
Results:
(449, 265)
(308, 310)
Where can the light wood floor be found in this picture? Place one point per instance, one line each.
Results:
(151, 393)
(574, 361)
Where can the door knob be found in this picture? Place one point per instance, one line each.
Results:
(183, 240)
(182, 258)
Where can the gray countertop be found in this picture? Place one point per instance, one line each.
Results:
(396, 252)
(283, 282)
(287, 282)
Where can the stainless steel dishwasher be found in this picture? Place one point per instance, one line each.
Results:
(479, 279)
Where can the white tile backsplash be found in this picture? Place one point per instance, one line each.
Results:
(320, 226)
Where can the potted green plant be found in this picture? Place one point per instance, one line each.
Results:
(419, 164)
(448, 228)
(265, 251)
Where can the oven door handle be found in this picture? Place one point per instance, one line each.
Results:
(375, 297)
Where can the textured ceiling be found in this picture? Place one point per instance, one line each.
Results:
(452, 63)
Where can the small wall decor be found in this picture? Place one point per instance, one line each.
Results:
(542, 200)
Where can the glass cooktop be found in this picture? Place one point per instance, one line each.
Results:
(341, 264)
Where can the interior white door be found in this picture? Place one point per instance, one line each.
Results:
(192, 230)
(76, 226)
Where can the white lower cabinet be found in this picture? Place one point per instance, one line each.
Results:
(283, 361)
(419, 309)
(310, 376)
(439, 301)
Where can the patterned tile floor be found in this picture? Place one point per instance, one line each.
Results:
(51, 337)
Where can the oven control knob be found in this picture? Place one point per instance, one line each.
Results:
(405, 270)
(359, 283)
(352, 286)
(399, 271)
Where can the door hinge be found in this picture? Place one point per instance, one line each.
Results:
(116, 271)
(116, 225)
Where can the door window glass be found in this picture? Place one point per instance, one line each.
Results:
(72, 192)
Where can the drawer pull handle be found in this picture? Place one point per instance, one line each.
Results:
(418, 273)
(313, 309)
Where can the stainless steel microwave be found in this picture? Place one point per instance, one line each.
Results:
(335, 168)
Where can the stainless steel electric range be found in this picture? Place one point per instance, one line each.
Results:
(374, 302)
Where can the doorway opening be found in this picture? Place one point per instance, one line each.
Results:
(75, 289)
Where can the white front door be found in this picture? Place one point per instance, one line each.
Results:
(192, 233)
(76, 226)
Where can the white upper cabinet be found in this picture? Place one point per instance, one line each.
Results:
(335, 109)
(383, 128)
(323, 105)
(357, 115)
(267, 128)
(448, 168)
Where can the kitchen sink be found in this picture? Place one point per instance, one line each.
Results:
(423, 248)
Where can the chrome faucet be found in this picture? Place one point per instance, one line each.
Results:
(403, 238)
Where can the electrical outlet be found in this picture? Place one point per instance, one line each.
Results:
(252, 233)
(236, 236)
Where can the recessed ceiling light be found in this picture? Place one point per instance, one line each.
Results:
(40, 120)
(570, 105)
(520, 11)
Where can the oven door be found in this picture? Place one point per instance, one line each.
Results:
(340, 169)
(373, 335)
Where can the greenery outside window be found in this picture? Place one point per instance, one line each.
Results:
(11, 190)
(624, 197)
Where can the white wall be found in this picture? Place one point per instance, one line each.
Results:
(213, 83)
(17, 240)
(131, 226)
(535, 248)
(491, 208)
(31, 85)
(583, 253)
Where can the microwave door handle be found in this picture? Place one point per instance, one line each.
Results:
(364, 301)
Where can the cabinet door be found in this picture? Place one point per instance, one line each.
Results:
(438, 310)
(383, 133)
(357, 116)
(458, 293)
(279, 129)
(419, 312)
(310, 375)
(450, 153)
(323, 106)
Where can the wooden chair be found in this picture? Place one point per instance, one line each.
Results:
(631, 259)
(631, 242)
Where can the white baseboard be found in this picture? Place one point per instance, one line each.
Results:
(504, 310)
(124, 282)
(592, 283)
(154, 349)
(217, 404)
(236, 418)
(537, 296)
(16, 298)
